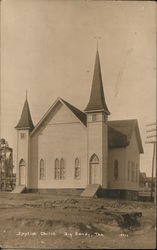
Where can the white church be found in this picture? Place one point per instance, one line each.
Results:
(72, 151)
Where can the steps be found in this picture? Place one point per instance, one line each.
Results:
(19, 189)
(90, 190)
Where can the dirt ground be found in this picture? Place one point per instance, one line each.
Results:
(73, 222)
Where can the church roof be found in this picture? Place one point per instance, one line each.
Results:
(25, 121)
(119, 131)
(97, 99)
(126, 127)
(116, 139)
(80, 115)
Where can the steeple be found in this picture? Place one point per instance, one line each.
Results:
(97, 99)
(25, 121)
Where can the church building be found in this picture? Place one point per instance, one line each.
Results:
(72, 151)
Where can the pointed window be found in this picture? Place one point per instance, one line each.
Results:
(94, 159)
(128, 170)
(116, 169)
(77, 173)
(136, 172)
(42, 170)
(132, 171)
(62, 169)
(22, 162)
(94, 118)
(22, 135)
(57, 169)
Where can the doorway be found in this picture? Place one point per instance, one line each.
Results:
(22, 178)
(94, 170)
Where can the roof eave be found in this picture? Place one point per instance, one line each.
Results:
(24, 128)
(96, 110)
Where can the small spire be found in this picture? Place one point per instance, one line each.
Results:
(97, 99)
(25, 121)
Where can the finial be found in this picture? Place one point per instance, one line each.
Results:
(97, 39)
(26, 94)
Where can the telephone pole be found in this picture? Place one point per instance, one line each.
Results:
(151, 138)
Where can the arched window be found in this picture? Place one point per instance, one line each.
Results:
(128, 170)
(94, 174)
(57, 169)
(77, 172)
(42, 169)
(132, 171)
(22, 162)
(136, 172)
(94, 118)
(94, 159)
(116, 169)
(62, 169)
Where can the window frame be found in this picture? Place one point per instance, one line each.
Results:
(94, 117)
(136, 172)
(22, 135)
(132, 171)
(42, 174)
(77, 169)
(59, 169)
(128, 171)
(116, 170)
(62, 169)
(56, 169)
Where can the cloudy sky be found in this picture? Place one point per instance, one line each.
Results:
(48, 47)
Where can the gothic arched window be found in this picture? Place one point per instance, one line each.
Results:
(22, 162)
(94, 159)
(116, 169)
(57, 169)
(77, 172)
(128, 170)
(62, 169)
(132, 171)
(136, 172)
(94, 117)
(42, 169)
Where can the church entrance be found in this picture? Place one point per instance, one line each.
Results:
(22, 180)
(94, 170)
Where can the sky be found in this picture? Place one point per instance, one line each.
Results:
(48, 47)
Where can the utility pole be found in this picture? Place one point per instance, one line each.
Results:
(152, 141)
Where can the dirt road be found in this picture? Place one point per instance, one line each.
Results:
(49, 221)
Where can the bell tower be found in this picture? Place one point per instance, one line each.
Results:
(97, 115)
(24, 127)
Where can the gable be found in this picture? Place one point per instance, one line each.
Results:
(78, 113)
(61, 115)
(127, 127)
(60, 112)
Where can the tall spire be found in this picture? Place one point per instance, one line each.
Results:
(97, 99)
(25, 121)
